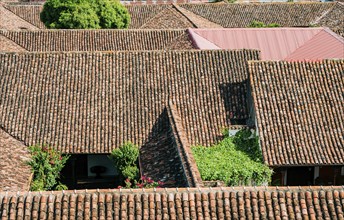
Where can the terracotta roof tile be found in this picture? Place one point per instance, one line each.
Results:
(299, 108)
(11, 21)
(29, 13)
(9, 46)
(241, 15)
(334, 19)
(99, 40)
(14, 173)
(159, 16)
(205, 15)
(93, 102)
(201, 203)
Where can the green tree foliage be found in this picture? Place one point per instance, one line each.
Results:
(85, 14)
(46, 164)
(259, 24)
(125, 158)
(235, 160)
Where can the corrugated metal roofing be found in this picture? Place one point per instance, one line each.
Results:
(274, 43)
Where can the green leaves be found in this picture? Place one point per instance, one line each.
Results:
(259, 24)
(84, 14)
(125, 158)
(235, 160)
(46, 164)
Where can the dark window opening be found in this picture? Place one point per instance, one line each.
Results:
(89, 171)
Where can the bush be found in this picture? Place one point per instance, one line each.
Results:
(126, 158)
(228, 161)
(46, 164)
(84, 14)
(259, 24)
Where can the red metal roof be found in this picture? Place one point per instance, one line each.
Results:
(274, 43)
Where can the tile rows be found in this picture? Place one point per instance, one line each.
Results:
(157, 16)
(29, 13)
(169, 16)
(181, 142)
(159, 156)
(93, 102)
(300, 111)
(99, 40)
(241, 15)
(334, 19)
(201, 203)
(14, 173)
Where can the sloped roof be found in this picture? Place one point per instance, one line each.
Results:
(274, 43)
(99, 40)
(202, 203)
(157, 16)
(300, 111)
(28, 12)
(214, 15)
(166, 156)
(14, 173)
(242, 15)
(10, 21)
(334, 19)
(7, 45)
(93, 102)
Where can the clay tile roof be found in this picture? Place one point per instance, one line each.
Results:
(7, 45)
(93, 102)
(98, 40)
(300, 109)
(241, 15)
(11, 21)
(14, 173)
(274, 43)
(203, 203)
(333, 19)
(157, 16)
(27, 12)
(205, 15)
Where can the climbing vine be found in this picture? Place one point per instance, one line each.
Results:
(236, 160)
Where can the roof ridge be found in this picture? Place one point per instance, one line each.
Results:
(152, 18)
(195, 16)
(1, 34)
(4, 6)
(178, 8)
(312, 38)
(18, 17)
(323, 15)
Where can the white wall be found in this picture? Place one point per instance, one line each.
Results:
(101, 160)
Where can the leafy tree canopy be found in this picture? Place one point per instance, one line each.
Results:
(85, 14)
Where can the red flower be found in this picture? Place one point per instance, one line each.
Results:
(149, 180)
(143, 178)
(160, 183)
(127, 180)
(118, 187)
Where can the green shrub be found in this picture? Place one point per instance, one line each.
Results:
(228, 161)
(259, 24)
(84, 14)
(125, 158)
(46, 164)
